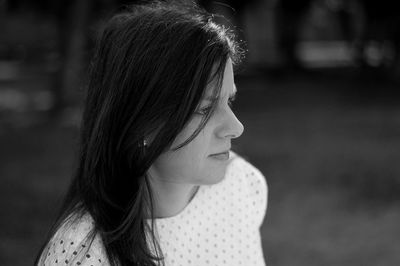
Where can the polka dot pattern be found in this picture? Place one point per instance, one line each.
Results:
(71, 246)
(220, 226)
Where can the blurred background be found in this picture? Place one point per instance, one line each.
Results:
(319, 95)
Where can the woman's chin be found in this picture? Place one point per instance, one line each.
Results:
(214, 178)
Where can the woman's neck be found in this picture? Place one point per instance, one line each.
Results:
(169, 198)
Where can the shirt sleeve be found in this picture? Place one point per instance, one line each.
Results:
(257, 191)
(72, 245)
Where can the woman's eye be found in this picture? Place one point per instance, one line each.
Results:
(231, 100)
(203, 110)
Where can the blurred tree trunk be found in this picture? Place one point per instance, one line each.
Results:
(73, 19)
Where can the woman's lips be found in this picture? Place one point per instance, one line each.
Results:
(223, 156)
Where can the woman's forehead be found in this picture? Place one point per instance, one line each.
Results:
(228, 86)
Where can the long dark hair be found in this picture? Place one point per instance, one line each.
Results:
(150, 70)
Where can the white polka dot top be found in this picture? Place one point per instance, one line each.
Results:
(220, 226)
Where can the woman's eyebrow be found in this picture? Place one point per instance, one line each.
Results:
(231, 95)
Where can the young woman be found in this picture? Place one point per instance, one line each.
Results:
(157, 183)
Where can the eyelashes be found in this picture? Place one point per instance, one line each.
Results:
(231, 100)
(206, 109)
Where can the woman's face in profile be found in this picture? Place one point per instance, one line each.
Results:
(205, 158)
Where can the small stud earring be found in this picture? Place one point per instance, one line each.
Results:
(143, 143)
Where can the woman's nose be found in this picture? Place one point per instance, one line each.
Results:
(231, 126)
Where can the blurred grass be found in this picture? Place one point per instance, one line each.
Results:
(331, 161)
(356, 149)
(334, 182)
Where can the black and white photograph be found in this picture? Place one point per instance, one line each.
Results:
(199, 133)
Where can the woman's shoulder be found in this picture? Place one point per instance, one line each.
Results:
(247, 172)
(75, 243)
(251, 182)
